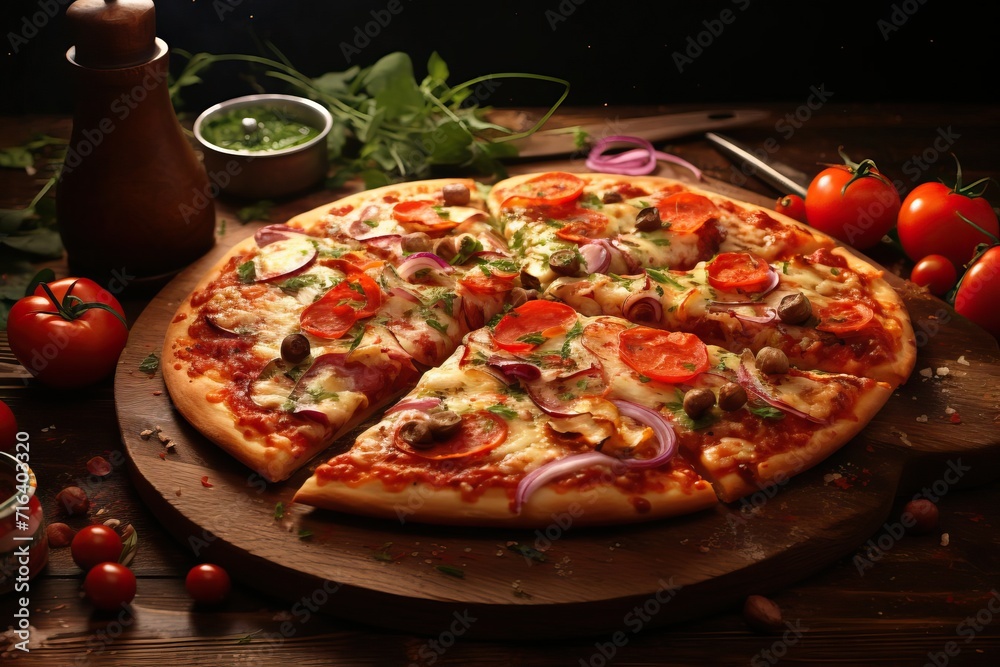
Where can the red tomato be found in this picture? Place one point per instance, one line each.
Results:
(549, 189)
(109, 586)
(978, 294)
(929, 223)
(793, 206)
(663, 355)
(936, 272)
(852, 202)
(686, 212)
(842, 317)
(8, 428)
(528, 325)
(742, 271)
(70, 333)
(208, 584)
(95, 544)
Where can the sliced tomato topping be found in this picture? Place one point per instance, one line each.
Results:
(668, 356)
(840, 317)
(529, 325)
(479, 433)
(421, 212)
(581, 224)
(352, 299)
(686, 212)
(490, 282)
(555, 187)
(742, 271)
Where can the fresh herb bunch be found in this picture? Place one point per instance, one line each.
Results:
(389, 127)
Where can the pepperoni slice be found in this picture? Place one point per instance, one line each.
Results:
(487, 283)
(668, 356)
(581, 225)
(555, 187)
(742, 271)
(354, 298)
(841, 317)
(529, 325)
(478, 433)
(422, 213)
(686, 212)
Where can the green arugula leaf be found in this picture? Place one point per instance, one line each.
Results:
(766, 412)
(503, 411)
(246, 272)
(469, 246)
(662, 277)
(150, 363)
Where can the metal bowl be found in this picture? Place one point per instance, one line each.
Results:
(268, 173)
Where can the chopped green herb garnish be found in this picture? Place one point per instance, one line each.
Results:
(246, 272)
(835, 271)
(440, 327)
(469, 246)
(305, 534)
(371, 223)
(150, 363)
(382, 553)
(643, 378)
(534, 338)
(451, 571)
(575, 332)
(784, 267)
(661, 242)
(591, 201)
(295, 283)
(279, 510)
(766, 412)
(528, 552)
(662, 277)
(503, 411)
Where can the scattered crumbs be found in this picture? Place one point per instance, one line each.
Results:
(163, 438)
(178, 492)
(467, 550)
(500, 553)
(955, 418)
(962, 361)
(428, 561)
(414, 553)
(204, 482)
(945, 539)
(879, 613)
(163, 455)
(942, 371)
(922, 418)
(45, 430)
(518, 591)
(905, 439)
(703, 549)
(927, 372)
(283, 615)
(830, 477)
(157, 428)
(101, 511)
(157, 393)
(913, 398)
(145, 434)
(950, 410)
(171, 447)
(685, 540)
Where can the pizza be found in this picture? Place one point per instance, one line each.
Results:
(617, 348)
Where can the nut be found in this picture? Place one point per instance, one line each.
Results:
(698, 401)
(925, 516)
(59, 535)
(772, 360)
(794, 309)
(732, 397)
(456, 194)
(73, 500)
(762, 614)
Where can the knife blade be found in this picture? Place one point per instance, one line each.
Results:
(558, 141)
(761, 168)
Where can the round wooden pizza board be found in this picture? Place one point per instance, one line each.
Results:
(561, 580)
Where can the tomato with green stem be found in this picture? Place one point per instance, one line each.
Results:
(852, 202)
(69, 333)
(936, 219)
(978, 293)
(793, 206)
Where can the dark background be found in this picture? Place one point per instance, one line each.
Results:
(619, 51)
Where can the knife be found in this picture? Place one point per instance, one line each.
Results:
(560, 141)
(762, 169)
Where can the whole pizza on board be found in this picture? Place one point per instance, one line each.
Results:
(633, 346)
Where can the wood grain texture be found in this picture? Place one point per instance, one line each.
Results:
(590, 579)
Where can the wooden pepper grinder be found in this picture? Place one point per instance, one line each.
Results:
(133, 201)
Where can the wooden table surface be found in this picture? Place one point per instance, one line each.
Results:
(925, 599)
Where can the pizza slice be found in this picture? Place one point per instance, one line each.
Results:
(826, 311)
(549, 412)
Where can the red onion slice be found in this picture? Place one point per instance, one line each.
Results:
(665, 437)
(542, 475)
(746, 375)
(422, 404)
(270, 233)
(642, 308)
(636, 162)
(770, 314)
(422, 260)
(404, 294)
(284, 257)
(548, 394)
(514, 369)
(596, 257)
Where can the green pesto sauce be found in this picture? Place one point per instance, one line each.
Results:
(274, 130)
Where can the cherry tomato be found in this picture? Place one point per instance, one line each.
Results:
(109, 586)
(668, 356)
(853, 203)
(8, 428)
(978, 294)
(208, 583)
(936, 272)
(793, 206)
(929, 222)
(70, 333)
(95, 544)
